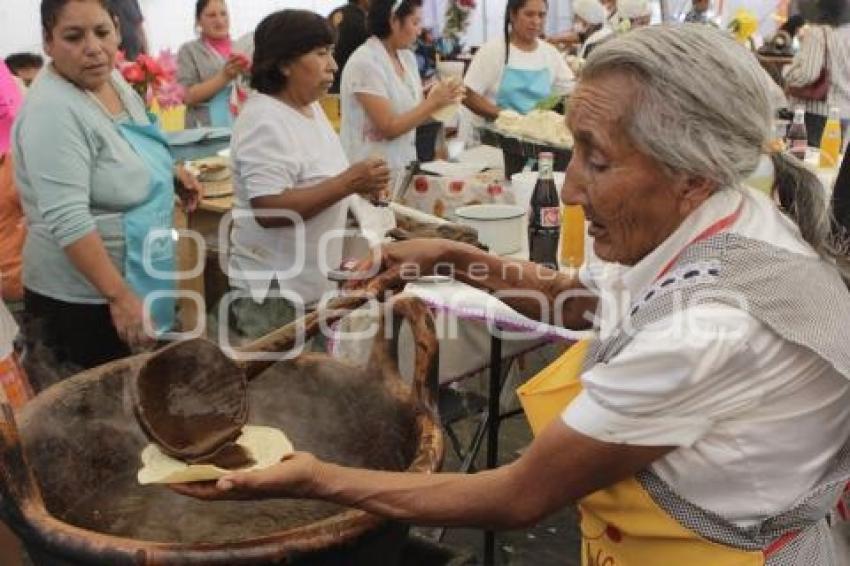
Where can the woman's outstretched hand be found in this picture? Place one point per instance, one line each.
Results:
(295, 476)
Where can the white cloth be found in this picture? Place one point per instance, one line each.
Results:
(591, 11)
(370, 71)
(274, 149)
(807, 65)
(743, 405)
(485, 72)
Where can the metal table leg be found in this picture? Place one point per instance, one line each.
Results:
(493, 422)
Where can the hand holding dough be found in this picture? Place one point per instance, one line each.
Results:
(266, 445)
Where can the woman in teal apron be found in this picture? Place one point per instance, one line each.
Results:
(97, 184)
(520, 70)
(210, 69)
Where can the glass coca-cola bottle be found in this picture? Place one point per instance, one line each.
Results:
(544, 222)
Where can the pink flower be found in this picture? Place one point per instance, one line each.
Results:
(170, 95)
(167, 62)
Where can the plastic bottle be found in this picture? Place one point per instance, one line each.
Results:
(797, 135)
(572, 237)
(830, 141)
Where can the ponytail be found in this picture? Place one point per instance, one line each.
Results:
(508, 11)
(803, 198)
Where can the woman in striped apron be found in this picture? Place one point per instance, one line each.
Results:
(709, 424)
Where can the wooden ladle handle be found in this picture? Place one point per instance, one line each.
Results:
(285, 338)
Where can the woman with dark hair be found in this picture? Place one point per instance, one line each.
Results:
(291, 177)
(518, 70)
(826, 43)
(209, 67)
(96, 181)
(380, 89)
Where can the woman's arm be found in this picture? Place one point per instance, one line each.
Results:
(560, 467)
(535, 291)
(89, 257)
(198, 91)
(204, 91)
(364, 177)
(480, 105)
(392, 125)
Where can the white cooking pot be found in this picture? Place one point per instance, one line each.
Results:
(500, 226)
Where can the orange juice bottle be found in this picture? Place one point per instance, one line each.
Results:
(830, 141)
(572, 237)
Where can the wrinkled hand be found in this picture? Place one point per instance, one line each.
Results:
(400, 263)
(188, 188)
(446, 92)
(295, 476)
(127, 312)
(368, 177)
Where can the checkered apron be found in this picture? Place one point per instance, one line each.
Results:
(642, 521)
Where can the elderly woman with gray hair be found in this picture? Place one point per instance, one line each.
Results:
(718, 363)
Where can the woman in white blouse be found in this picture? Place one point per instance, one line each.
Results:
(381, 92)
(517, 71)
(709, 424)
(292, 179)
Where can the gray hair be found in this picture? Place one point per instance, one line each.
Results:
(702, 109)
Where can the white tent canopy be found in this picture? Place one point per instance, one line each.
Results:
(169, 23)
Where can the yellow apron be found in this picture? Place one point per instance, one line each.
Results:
(622, 525)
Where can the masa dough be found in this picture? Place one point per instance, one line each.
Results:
(265, 444)
(542, 125)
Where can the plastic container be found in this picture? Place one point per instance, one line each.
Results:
(571, 252)
(830, 141)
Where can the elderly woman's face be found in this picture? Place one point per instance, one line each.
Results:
(311, 74)
(83, 44)
(215, 20)
(631, 202)
(527, 22)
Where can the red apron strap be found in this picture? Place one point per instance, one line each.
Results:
(720, 226)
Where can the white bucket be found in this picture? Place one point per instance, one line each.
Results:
(500, 226)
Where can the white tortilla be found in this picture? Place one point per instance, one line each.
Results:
(266, 445)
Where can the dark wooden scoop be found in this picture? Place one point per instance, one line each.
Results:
(192, 400)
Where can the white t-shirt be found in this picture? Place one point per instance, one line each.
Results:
(485, 72)
(756, 419)
(369, 70)
(274, 149)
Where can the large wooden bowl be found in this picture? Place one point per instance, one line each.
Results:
(67, 470)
